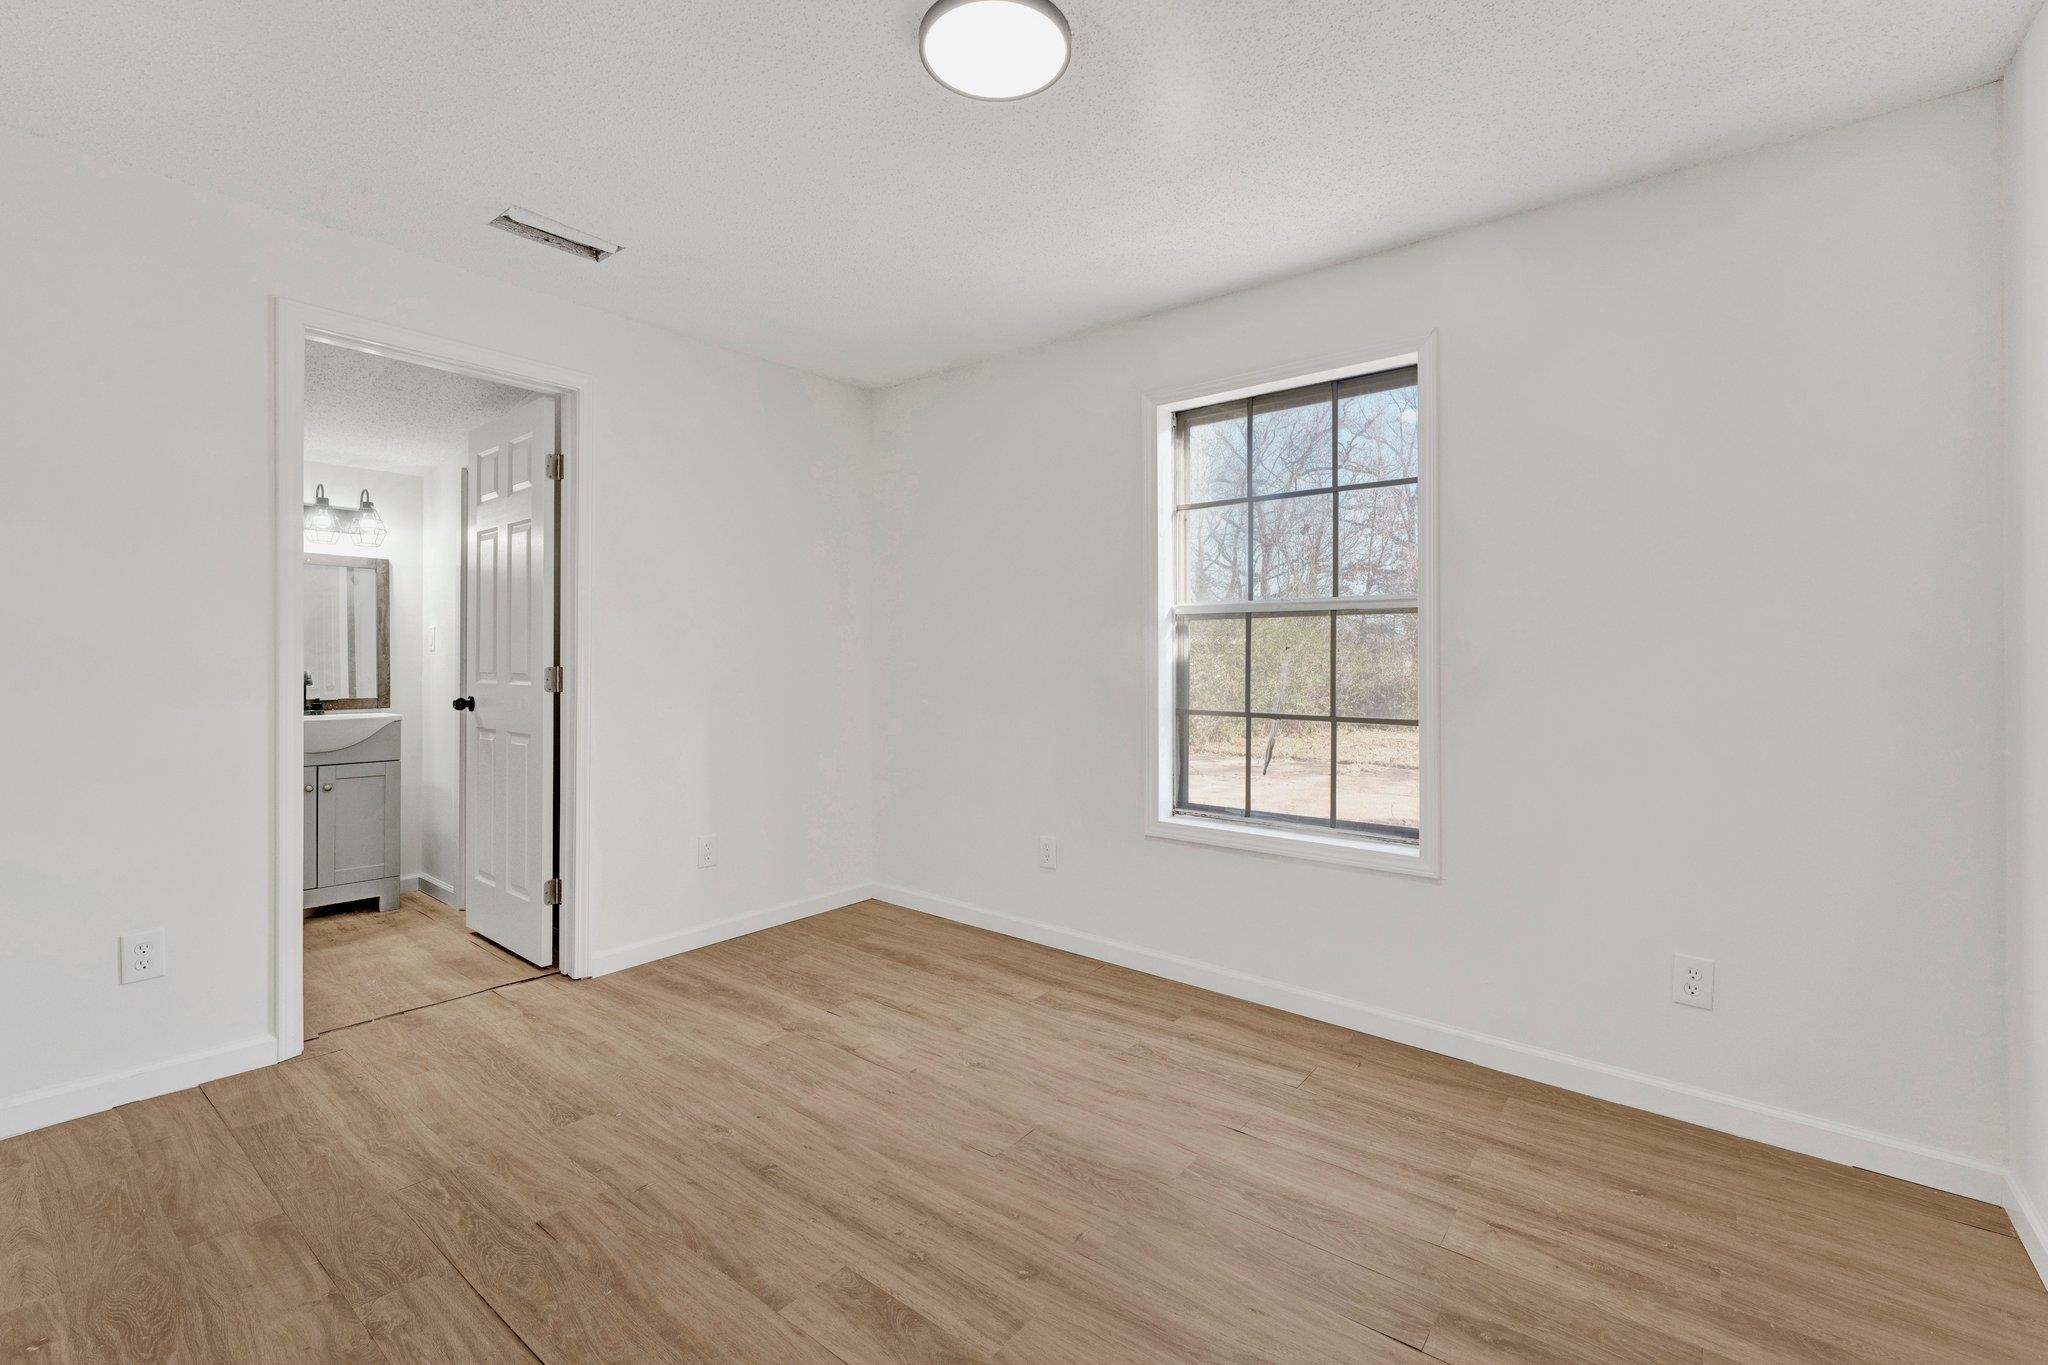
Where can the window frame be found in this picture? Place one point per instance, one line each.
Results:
(1421, 858)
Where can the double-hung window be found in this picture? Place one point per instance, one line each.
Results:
(1294, 701)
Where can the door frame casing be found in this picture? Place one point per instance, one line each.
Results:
(295, 324)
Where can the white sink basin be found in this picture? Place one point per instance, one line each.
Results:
(331, 730)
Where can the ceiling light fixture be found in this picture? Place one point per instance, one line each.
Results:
(995, 49)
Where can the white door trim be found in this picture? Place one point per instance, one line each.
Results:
(294, 324)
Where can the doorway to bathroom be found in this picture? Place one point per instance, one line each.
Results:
(424, 499)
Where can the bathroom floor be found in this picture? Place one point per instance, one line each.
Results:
(366, 964)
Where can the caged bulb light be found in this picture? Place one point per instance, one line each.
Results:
(369, 526)
(323, 526)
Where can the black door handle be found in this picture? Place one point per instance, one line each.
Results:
(465, 703)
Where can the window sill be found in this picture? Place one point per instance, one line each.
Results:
(1406, 860)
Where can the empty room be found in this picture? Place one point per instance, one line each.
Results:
(1024, 680)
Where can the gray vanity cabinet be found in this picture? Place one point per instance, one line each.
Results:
(352, 822)
(358, 839)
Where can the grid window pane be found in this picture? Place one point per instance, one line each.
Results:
(1215, 762)
(1291, 664)
(1216, 663)
(1291, 549)
(1379, 776)
(1376, 428)
(1376, 665)
(1313, 494)
(1376, 542)
(1291, 769)
(1215, 467)
(1214, 554)
(1291, 441)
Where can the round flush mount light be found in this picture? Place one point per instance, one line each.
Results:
(995, 49)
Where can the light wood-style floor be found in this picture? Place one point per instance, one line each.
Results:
(364, 964)
(874, 1136)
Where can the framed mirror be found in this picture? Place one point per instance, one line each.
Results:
(348, 633)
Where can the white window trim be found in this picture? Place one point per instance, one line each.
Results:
(1424, 859)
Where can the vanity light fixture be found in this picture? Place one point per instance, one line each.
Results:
(323, 525)
(995, 49)
(369, 526)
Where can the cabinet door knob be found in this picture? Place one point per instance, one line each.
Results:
(309, 786)
(327, 786)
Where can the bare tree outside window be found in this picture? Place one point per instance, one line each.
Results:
(1296, 670)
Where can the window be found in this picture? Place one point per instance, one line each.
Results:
(1294, 711)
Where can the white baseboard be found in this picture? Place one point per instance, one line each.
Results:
(433, 886)
(702, 936)
(1764, 1123)
(406, 884)
(2029, 1224)
(76, 1099)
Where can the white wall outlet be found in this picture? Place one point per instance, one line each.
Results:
(1048, 851)
(707, 851)
(1692, 981)
(142, 956)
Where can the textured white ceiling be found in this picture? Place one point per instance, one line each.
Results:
(380, 413)
(788, 181)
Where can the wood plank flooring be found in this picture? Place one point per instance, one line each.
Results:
(366, 964)
(875, 1136)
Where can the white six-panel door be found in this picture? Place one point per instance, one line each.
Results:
(508, 754)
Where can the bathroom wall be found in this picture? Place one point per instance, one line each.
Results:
(440, 728)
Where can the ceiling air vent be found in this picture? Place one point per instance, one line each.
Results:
(561, 236)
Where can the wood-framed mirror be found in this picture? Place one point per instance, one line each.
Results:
(348, 633)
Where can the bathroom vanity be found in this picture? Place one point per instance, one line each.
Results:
(351, 797)
(352, 735)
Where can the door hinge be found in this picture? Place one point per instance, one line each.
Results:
(552, 678)
(551, 891)
(554, 466)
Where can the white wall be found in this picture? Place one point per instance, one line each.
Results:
(1722, 617)
(440, 726)
(2025, 101)
(1721, 660)
(725, 665)
(397, 497)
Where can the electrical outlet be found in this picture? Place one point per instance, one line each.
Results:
(1692, 981)
(707, 851)
(1048, 851)
(142, 956)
